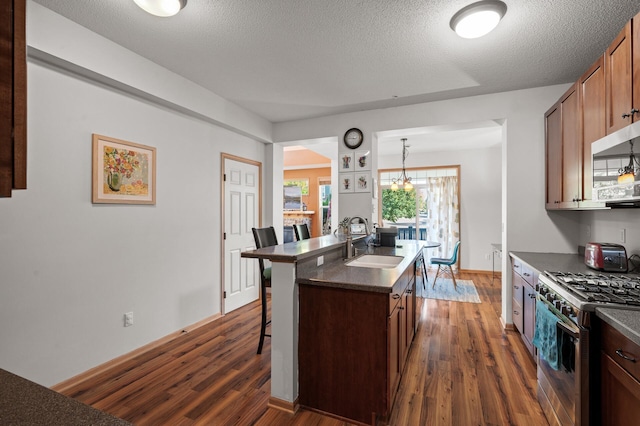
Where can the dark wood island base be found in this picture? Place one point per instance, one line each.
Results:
(353, 345)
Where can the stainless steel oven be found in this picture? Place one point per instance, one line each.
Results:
(567, 394)
(561, 390)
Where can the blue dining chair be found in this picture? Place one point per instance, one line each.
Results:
(444, 262)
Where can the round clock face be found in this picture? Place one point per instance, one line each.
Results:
(353, 138)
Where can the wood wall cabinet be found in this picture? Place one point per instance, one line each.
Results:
(605, 99)
(353, 346)
(564, 152)
(553, 137)
(619, 378)
(622, 76)
(592, 118)
(524, 279)
(13, 97)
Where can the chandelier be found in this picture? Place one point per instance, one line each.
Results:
(627, 173)
(403, 179)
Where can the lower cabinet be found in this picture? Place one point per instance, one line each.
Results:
(523, 280)
(619, 378)
(529, 308)
(353, 346)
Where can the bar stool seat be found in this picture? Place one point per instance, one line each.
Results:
(264, 237)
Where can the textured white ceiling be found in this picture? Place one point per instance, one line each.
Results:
(293, 59)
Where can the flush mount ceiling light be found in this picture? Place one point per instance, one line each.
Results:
(478, 19)
(403, 179)
(161, 8)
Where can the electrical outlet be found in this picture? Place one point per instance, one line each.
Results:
(487, 256)
(128, 319)
(623, 235)
(320, 260)
(588, 231)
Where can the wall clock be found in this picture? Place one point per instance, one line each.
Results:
(353, 138)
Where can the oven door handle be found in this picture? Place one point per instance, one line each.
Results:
(575, 334)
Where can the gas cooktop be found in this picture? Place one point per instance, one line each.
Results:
(599, 288)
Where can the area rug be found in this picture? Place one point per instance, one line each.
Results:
(466, 291)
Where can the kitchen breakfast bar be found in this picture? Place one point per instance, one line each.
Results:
(338, 325)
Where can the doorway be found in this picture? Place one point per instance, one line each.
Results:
(429, 211)
(324, 191)
(242, 204)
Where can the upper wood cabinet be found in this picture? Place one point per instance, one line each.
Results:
(564, 152)
(605, 99)
(553, 137)
(622, 76)
(13, 97)
(592, 118)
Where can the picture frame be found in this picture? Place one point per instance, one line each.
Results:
(362, 160)
(362, 182)
(346, 182)
(123, 172)
(345, 161)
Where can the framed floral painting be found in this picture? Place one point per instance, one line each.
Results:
(123, 172)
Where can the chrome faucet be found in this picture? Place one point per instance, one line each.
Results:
(349, 242)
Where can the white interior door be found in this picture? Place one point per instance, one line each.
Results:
(241, 213)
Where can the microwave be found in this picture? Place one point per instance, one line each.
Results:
(616, 168)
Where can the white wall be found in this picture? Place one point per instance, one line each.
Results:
(605, 225)
(480, 197)
(70, 269)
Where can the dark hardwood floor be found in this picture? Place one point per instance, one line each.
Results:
(463, 369)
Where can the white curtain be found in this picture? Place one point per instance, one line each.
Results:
(443, 219)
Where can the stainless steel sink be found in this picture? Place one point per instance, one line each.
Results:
(376, 261)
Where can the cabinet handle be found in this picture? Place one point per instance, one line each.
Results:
(401, 308)
(396, 296)
(516, 313)
(526, 274)
(409, 291)
(623, 356)
(633, 111)
(516, 287)
(532, 295)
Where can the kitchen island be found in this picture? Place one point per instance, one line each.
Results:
(318, 265)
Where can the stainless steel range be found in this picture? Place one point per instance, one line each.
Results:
(564, 391)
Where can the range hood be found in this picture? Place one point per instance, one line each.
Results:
(616, 168)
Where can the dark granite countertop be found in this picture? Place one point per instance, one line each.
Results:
(553, 261)
(23, 402)
(338, 274)
(299, 250)
(625, 321)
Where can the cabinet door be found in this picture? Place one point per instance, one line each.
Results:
(529, 316)
(619, 394)
(410, 313)
(518, 284)
(553, 136)
(571, 148)
(592, 108)
(635, 34)
(394, 352)
(618, 78)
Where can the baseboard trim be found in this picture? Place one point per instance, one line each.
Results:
(480, 271)
(507, 327)
(282, 405)
(95, 371)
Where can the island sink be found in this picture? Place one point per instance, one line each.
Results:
(375, 261)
